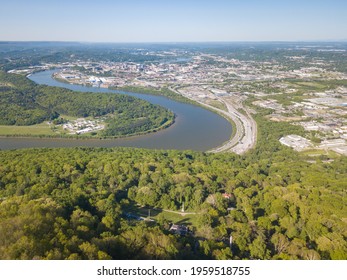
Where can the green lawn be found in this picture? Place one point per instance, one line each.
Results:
(37, 129)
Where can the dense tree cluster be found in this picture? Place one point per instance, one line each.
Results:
(18, 105)
(25, 103)
(70, 204)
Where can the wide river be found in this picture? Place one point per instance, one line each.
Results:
(195, 128)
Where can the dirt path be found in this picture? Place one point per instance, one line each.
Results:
(180, 213)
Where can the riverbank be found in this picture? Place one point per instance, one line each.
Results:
(166, 92)
(246, 129)
(244, 133)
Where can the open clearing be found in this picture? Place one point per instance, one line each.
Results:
(37, 129)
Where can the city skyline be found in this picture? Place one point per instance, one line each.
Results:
(179, 21)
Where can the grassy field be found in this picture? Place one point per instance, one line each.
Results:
(38, 129)
(321, 152)
(317, 84)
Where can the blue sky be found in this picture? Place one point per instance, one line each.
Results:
(173, 21)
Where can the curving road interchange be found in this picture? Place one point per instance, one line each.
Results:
(245, 135)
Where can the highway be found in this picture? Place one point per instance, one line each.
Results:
(245, 135)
